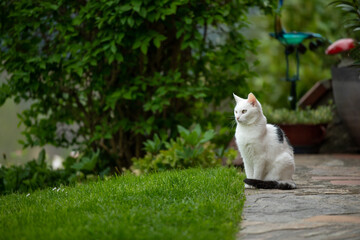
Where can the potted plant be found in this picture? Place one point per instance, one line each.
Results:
(305, 128)
(345, 75)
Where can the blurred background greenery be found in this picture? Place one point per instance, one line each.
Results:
(315, 16)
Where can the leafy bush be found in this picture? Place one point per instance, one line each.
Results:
(106, 75)
(33, 175)
(320, 115)
(191, 149)
(36, 174)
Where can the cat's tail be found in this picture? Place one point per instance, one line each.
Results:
(283, 185)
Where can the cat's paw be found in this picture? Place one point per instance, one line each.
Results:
(248, 186)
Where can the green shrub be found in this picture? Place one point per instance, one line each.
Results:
(36, 174)
(191, 149)
(33, 175)
(320, 115)
(106, 75)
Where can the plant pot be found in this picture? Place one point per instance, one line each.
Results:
(305, 138)
(346, 89)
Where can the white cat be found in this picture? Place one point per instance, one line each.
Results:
(268, 157)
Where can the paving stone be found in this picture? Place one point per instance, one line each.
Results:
(336, 177)
(317, 209)
(335, 218)
(349, 182)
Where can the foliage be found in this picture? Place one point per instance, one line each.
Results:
(191, 149)
(351, 10)
(187, 204)
(104, 76)
(320, 115)
(33, 175)
(36, 174)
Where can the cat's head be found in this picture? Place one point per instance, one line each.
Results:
(247, 111)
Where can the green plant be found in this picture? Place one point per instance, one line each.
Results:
(31, 176)
(106, 75)
(36, 174)
(320, 115)
(351, 10)
(191, 149)
(187, 204)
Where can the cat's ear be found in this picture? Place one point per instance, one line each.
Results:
(252, 99)
(237, 99)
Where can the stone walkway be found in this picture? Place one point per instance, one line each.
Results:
(326, 204)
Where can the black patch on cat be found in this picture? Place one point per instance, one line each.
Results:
(261, 184)
(280, 134)
(268, 184)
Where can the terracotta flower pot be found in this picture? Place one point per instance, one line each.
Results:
(305, 138)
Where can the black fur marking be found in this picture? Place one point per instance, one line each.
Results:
(261, 184)
(268, 184)
(287, 140)
(280, 134)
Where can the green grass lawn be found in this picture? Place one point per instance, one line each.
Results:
(187, 204)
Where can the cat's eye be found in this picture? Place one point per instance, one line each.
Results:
(243, 111)
(236, 112)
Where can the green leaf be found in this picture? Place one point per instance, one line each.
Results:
(136, 5)
(208, 135)
(79, 71)
(347, 8)
(143, 12)
(77, 21)
(156, 42)
(158, 39)
(144, 47)
(42, 65)
(137, 43)
(124, 8)
(55, 58)
(197, 130)
(123, 20)
(119, 57)
(188, 20)
(119, 37)
(130, 21)
(179, 33)
(50, 6)
(183, 131)
(87, 163)
(171, 10)
(111, 59)
(192, 139)
(113, 47)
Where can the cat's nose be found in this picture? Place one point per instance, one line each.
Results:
(238, 118)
